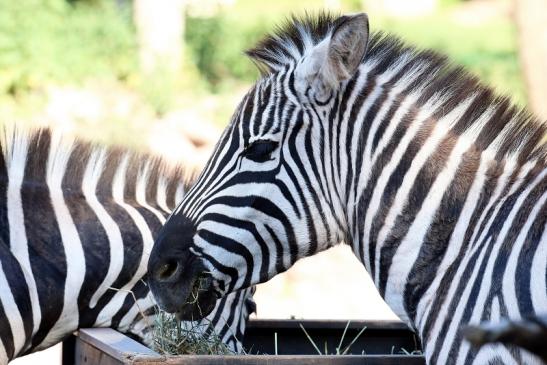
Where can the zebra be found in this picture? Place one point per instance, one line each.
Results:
(437, 185)
(77, 225)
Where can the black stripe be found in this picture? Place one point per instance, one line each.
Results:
(492, 175)
(394, 181)
(234, 247)
(4, 224)
(6, 336)
(487, 245)
(92, 234)
(250, 227)
(138, 291)
(131, 240)
(222, 159)
(437, 239)
(530, 247)
(267, 207)
(226, 270)
(217, 313)
(17, 285)
(413, 204)
(45, 246)
(294, 155)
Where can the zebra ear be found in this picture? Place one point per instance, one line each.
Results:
(335, 59)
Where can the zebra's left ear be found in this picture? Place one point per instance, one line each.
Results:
(335, 59)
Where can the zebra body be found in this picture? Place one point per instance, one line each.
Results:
(77, 226)
(439, 187)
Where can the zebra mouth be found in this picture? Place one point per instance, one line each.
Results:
(201, 300)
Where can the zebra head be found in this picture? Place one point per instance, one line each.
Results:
(269, 195)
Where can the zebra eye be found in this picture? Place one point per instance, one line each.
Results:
(260, 150)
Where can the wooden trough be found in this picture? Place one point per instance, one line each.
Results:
(382, 343)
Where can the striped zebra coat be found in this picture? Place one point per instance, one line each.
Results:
(438, 185)
(77, 226)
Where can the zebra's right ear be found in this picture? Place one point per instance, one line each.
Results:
(335, 59)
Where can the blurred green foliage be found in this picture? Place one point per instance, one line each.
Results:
(58, 42)
(216, 45)
(488, 49)
(53, 40)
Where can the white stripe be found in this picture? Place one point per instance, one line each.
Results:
(365, 173)
(179, 194)
(395, 121)
(12, 314)
(456, 241)
(455, 320)
(401, 197)
(342, 143)
(238, 235)
(105, 317)
(92, 174)
(486, 283)
(492, 354)
(456, 317)
(265, 112)
(161, 194)
(509, 278)
(138, 310)
(407, 252)
(16, 162)
(442, 315)
(228, 257)
(142, 181)
(538, 281)
(495, 312)
(3, 355)
(59, 155)
(374, 204)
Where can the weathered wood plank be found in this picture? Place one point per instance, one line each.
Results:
(117, 345)
(85, 354)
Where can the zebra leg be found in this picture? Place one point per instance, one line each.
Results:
(529, 333)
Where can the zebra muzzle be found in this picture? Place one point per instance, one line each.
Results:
(201, 299)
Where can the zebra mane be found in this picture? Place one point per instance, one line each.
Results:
(38, 154)
(511, 128)
(290, 40)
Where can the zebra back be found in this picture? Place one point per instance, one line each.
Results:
(78, 222)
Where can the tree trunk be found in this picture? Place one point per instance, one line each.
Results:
(160, 30)
(531, 18)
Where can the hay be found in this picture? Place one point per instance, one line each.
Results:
(174, 337)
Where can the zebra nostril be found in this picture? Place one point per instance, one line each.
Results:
(167, 270)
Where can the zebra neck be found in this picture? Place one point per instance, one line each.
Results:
(413, 172)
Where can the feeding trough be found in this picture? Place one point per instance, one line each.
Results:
(381, 343)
